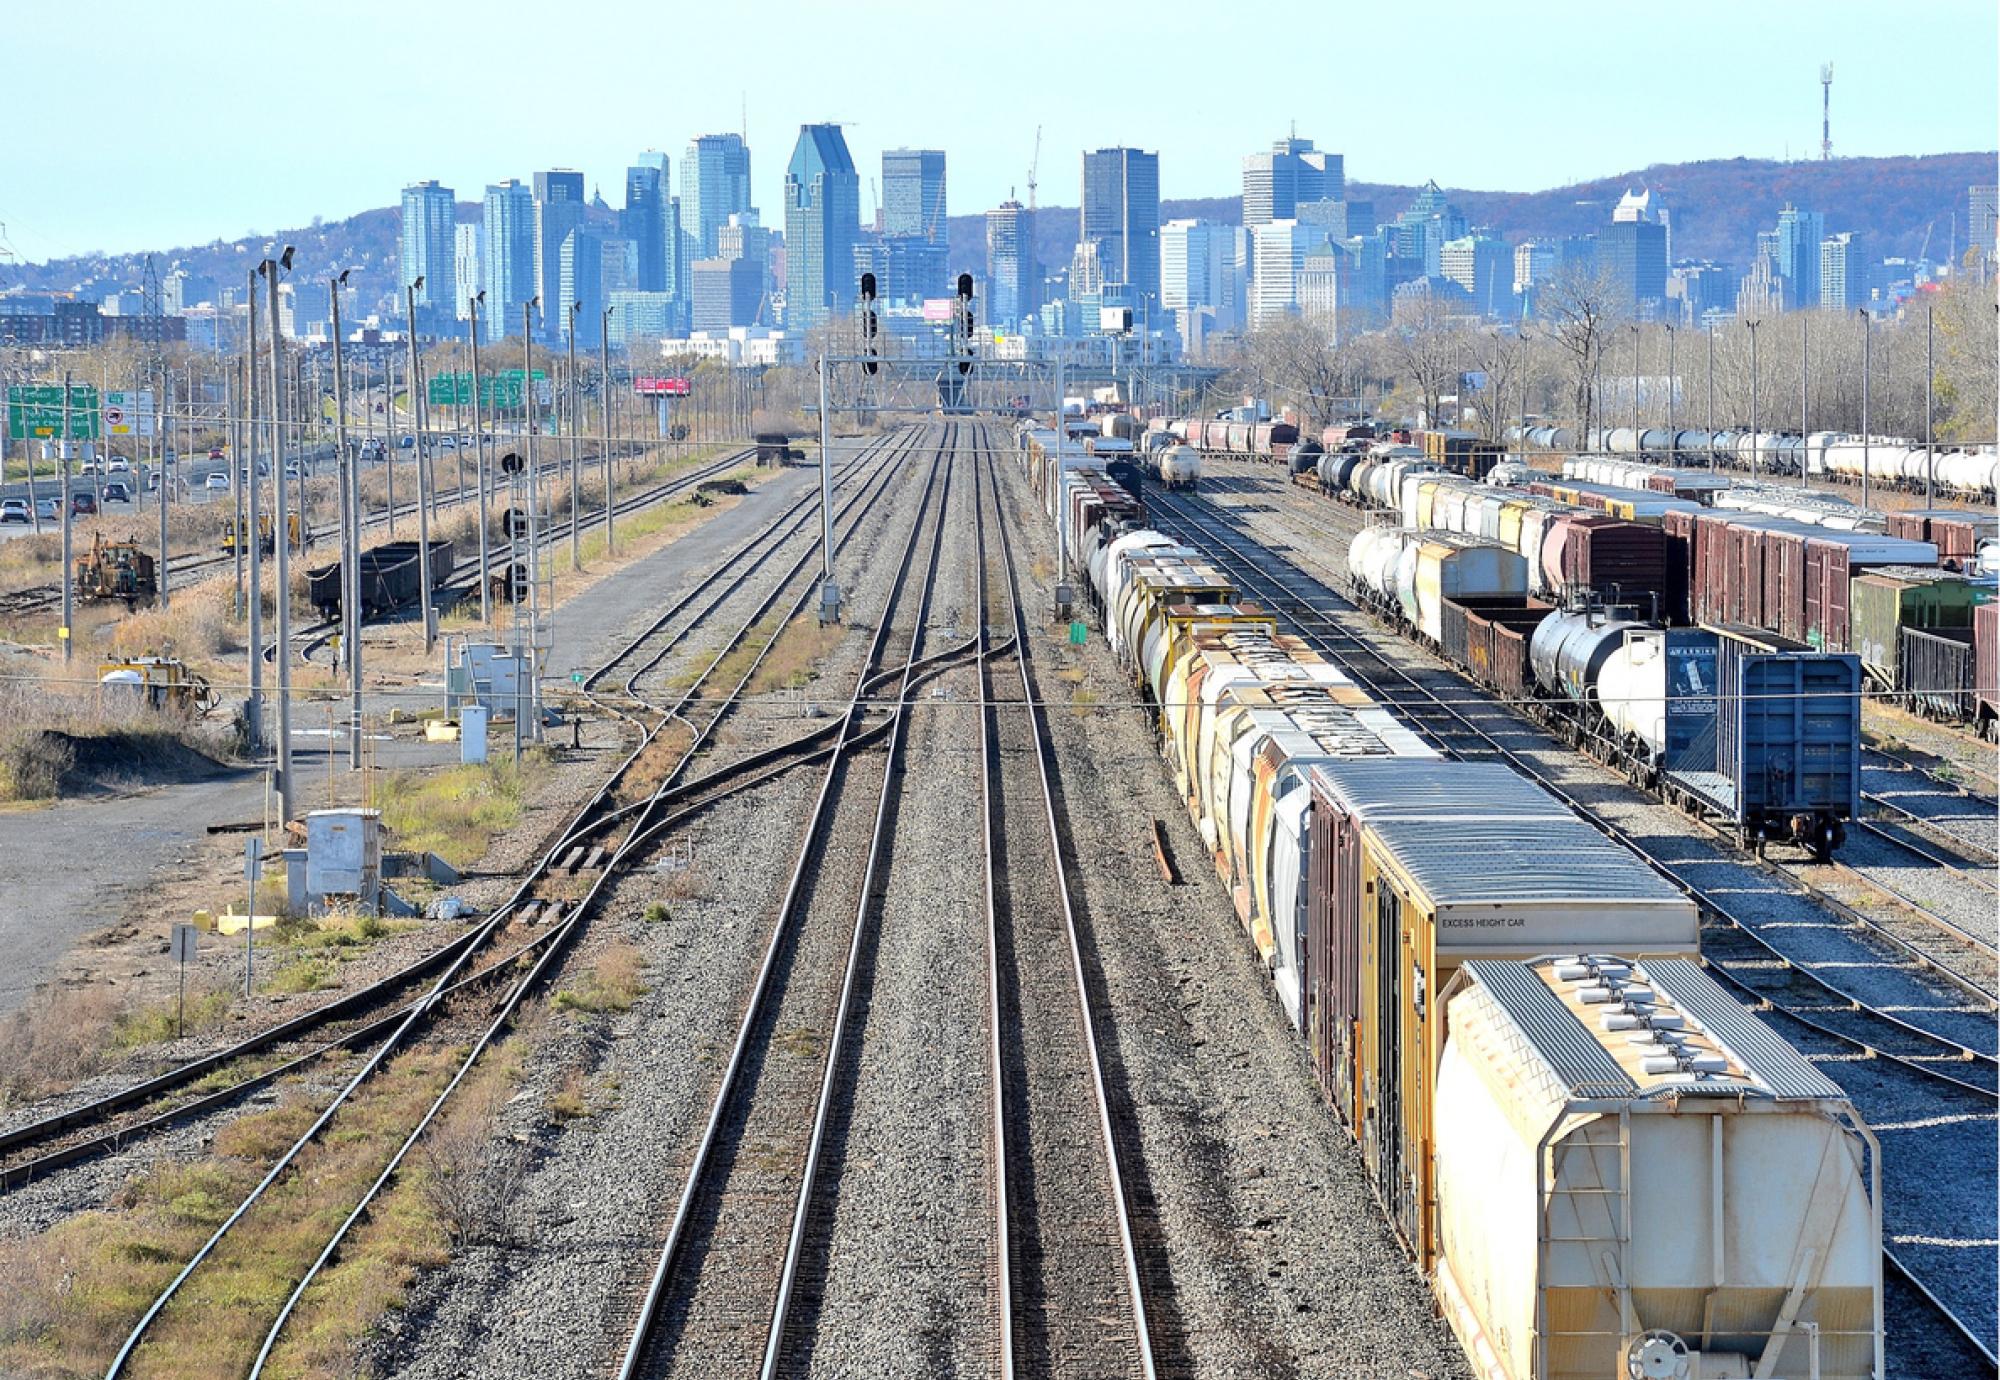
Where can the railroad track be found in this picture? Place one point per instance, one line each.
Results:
(114, 1121)
(1855, 1035)
(1070, 1286)
(644, 822)
(723, 1287)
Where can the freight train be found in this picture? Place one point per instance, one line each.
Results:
(391, 577)
(1602, 1164)
(1817, 575)
(1894, 461)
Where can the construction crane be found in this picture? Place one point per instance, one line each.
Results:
(1033, 164)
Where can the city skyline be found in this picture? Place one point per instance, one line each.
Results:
(1747, 96)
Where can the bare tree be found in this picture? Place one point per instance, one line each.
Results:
(1577, 309)
(1308, 359)
(1425, 348)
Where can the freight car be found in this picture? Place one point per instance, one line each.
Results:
(391, 576)
(1244, 440)
(1459, 452)
(1893, 461)
(1510, 1043)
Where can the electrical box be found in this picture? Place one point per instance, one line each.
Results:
(489, 674)
(343, 856)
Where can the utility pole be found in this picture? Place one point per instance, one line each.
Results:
(160, 417)
(1805, 393)
(1753, 399)
(479, 466)
(1711, 395)
(281, 538)
(534, 520)
(1673, 387)
(575, 460)
(1867, 355)
(1635, 386)
(69, 565)
(348, 476)
(389, 434)
(423, 472)
(244, 473)
(1930, 391)
(604, 411)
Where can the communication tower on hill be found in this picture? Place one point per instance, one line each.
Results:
(1826, 112)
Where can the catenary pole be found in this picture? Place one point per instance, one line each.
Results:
(479, 469)
(347, 470)
(281, 539)
(423, 474)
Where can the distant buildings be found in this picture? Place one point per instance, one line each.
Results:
(1793, 249)
(909, 259)
(508, 247)
(1275, 183)
(1012, 276)
(1482, 264)
(822, 221)
(1982, 220)
(1843, 272)
(466, 261)
(1632, 254)
(1120, 216)
(715, 184)
(429, 250)
(559, 209)
(1279, 251)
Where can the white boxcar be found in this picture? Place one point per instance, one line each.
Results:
(1636, 1176)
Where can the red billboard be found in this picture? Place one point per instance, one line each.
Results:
(648, 387)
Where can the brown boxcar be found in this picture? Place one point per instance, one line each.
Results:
(1617, 557)
(1677, 550)
(1936, 671)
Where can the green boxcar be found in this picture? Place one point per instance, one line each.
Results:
(1890, 597)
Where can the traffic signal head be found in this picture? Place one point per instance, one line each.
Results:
(965, 286)
(867, 287)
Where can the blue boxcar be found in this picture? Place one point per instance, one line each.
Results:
(1787, 744)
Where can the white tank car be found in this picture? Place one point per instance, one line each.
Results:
(1179, 467)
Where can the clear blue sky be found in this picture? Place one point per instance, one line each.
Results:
(140, 125)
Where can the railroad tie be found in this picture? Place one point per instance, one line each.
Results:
(530, 912)
(595, 860)
(572, 858)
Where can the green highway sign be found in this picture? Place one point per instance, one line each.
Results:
(502, 390)
(35, 411)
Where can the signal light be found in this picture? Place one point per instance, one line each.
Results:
(965, 319)
(868, 324)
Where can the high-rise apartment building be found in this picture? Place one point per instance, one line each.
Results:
(1014, 281)
(822, 221)
(913, 191)
(1843, 272)
(1795, 254)
(509, 256)
(1633, 254)
(428, 246)
(715, 184)
(1274, 183)
(1121, 216)
(1982, 219)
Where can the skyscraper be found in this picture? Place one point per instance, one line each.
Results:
(1280, 248)
(1013, 278)
(1843, 272)
(428, 246)
(1482, 264)
(580, 278)
(1423, 229)
(559, 209)
(1982, 218)
(509, 249)
(1274, 183)
(822, 221)
(715, 182)
(643, 221)
(1634, 256)
(466, 259)
(1795, 250)
(1121, 216)
(913, 191)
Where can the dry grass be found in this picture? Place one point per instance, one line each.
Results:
(41, 725)
(654, 762)
(614, 983)
(454, 812)
(796, 657)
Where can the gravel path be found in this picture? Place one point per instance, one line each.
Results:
(895, 1282)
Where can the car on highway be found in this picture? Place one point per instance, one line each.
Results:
(82, 503)
(49, 508)
(117, 491)
(119, 465)
(216, 483)
(215, 452)
(406, 443)
(14, 510)
(89, 467)
(291, 469)
(152, 481)
(447, 443)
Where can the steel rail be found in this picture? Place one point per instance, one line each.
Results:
(668, 1259)
(1120, 1201)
